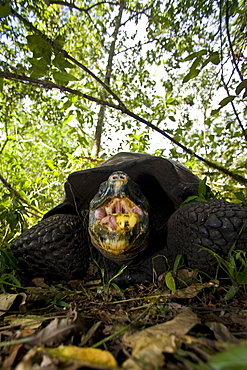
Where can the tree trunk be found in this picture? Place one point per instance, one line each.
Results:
(101, 115)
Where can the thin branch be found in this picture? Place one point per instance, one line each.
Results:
(230, 43)
(3, 146)
(134, 47)
(73, 6)
(123, 109)
(136, 14)
(222, 70)
(51, 85)
(235, 111)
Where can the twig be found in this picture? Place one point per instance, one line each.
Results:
(73, 6)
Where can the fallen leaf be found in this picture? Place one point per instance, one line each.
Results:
(28, 360)
(54, 333)
(149, 358)
(150, 344)
(180, 325)
(7, 300)
(221, 332)
(12, 354)
(91, 355)
(90, 333)
(28, 321)
(191, 291)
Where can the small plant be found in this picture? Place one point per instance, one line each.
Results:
(8, 266)
(57, 300)
(169, 276)
(110, 281)
(235, 265)
(204, 193)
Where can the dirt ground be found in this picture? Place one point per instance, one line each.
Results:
(90, 326)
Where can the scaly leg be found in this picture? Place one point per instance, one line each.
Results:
(56, 249)
(215, 224)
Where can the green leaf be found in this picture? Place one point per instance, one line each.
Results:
(227, 100)
(195, 54)
(5, 9)
(63, 77)
(242, 276)
(39, 47)
(231, 293)
(60, 40)
(214, 112)
(202, 189)
(233, 358)
(172, 118)
(178, 259)
(170, 282)
(191, 199)
(214, 57)
(241, 86)
(240, 195)
(60, 62)
(1, 84)
(39, 67)
(192, 74)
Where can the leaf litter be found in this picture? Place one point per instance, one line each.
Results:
(90, 326)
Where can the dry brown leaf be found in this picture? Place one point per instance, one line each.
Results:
(149, 358)
(7, 300)
(185, 275)
(90, 355)
(151, 343)
(221, 332)
(28, 360)
(191, 291)
(180, 325)
(90, 333)
(12, 354)
(55, 332)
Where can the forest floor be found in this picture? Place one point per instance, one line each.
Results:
(144, 327)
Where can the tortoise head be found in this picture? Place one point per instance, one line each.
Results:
(118, 218)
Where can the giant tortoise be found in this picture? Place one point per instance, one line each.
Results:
(127, 212)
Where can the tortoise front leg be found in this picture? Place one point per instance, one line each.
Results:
(216, 224)
(56, 249)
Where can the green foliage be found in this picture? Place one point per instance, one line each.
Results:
(8, 267)
(5, 9)
(204, 194)
(233, 358)
(235, 265)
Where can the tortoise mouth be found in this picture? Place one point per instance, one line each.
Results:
(118, 227)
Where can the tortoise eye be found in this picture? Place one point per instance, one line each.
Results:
(137, 191)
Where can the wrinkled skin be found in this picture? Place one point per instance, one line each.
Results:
(134, 219)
